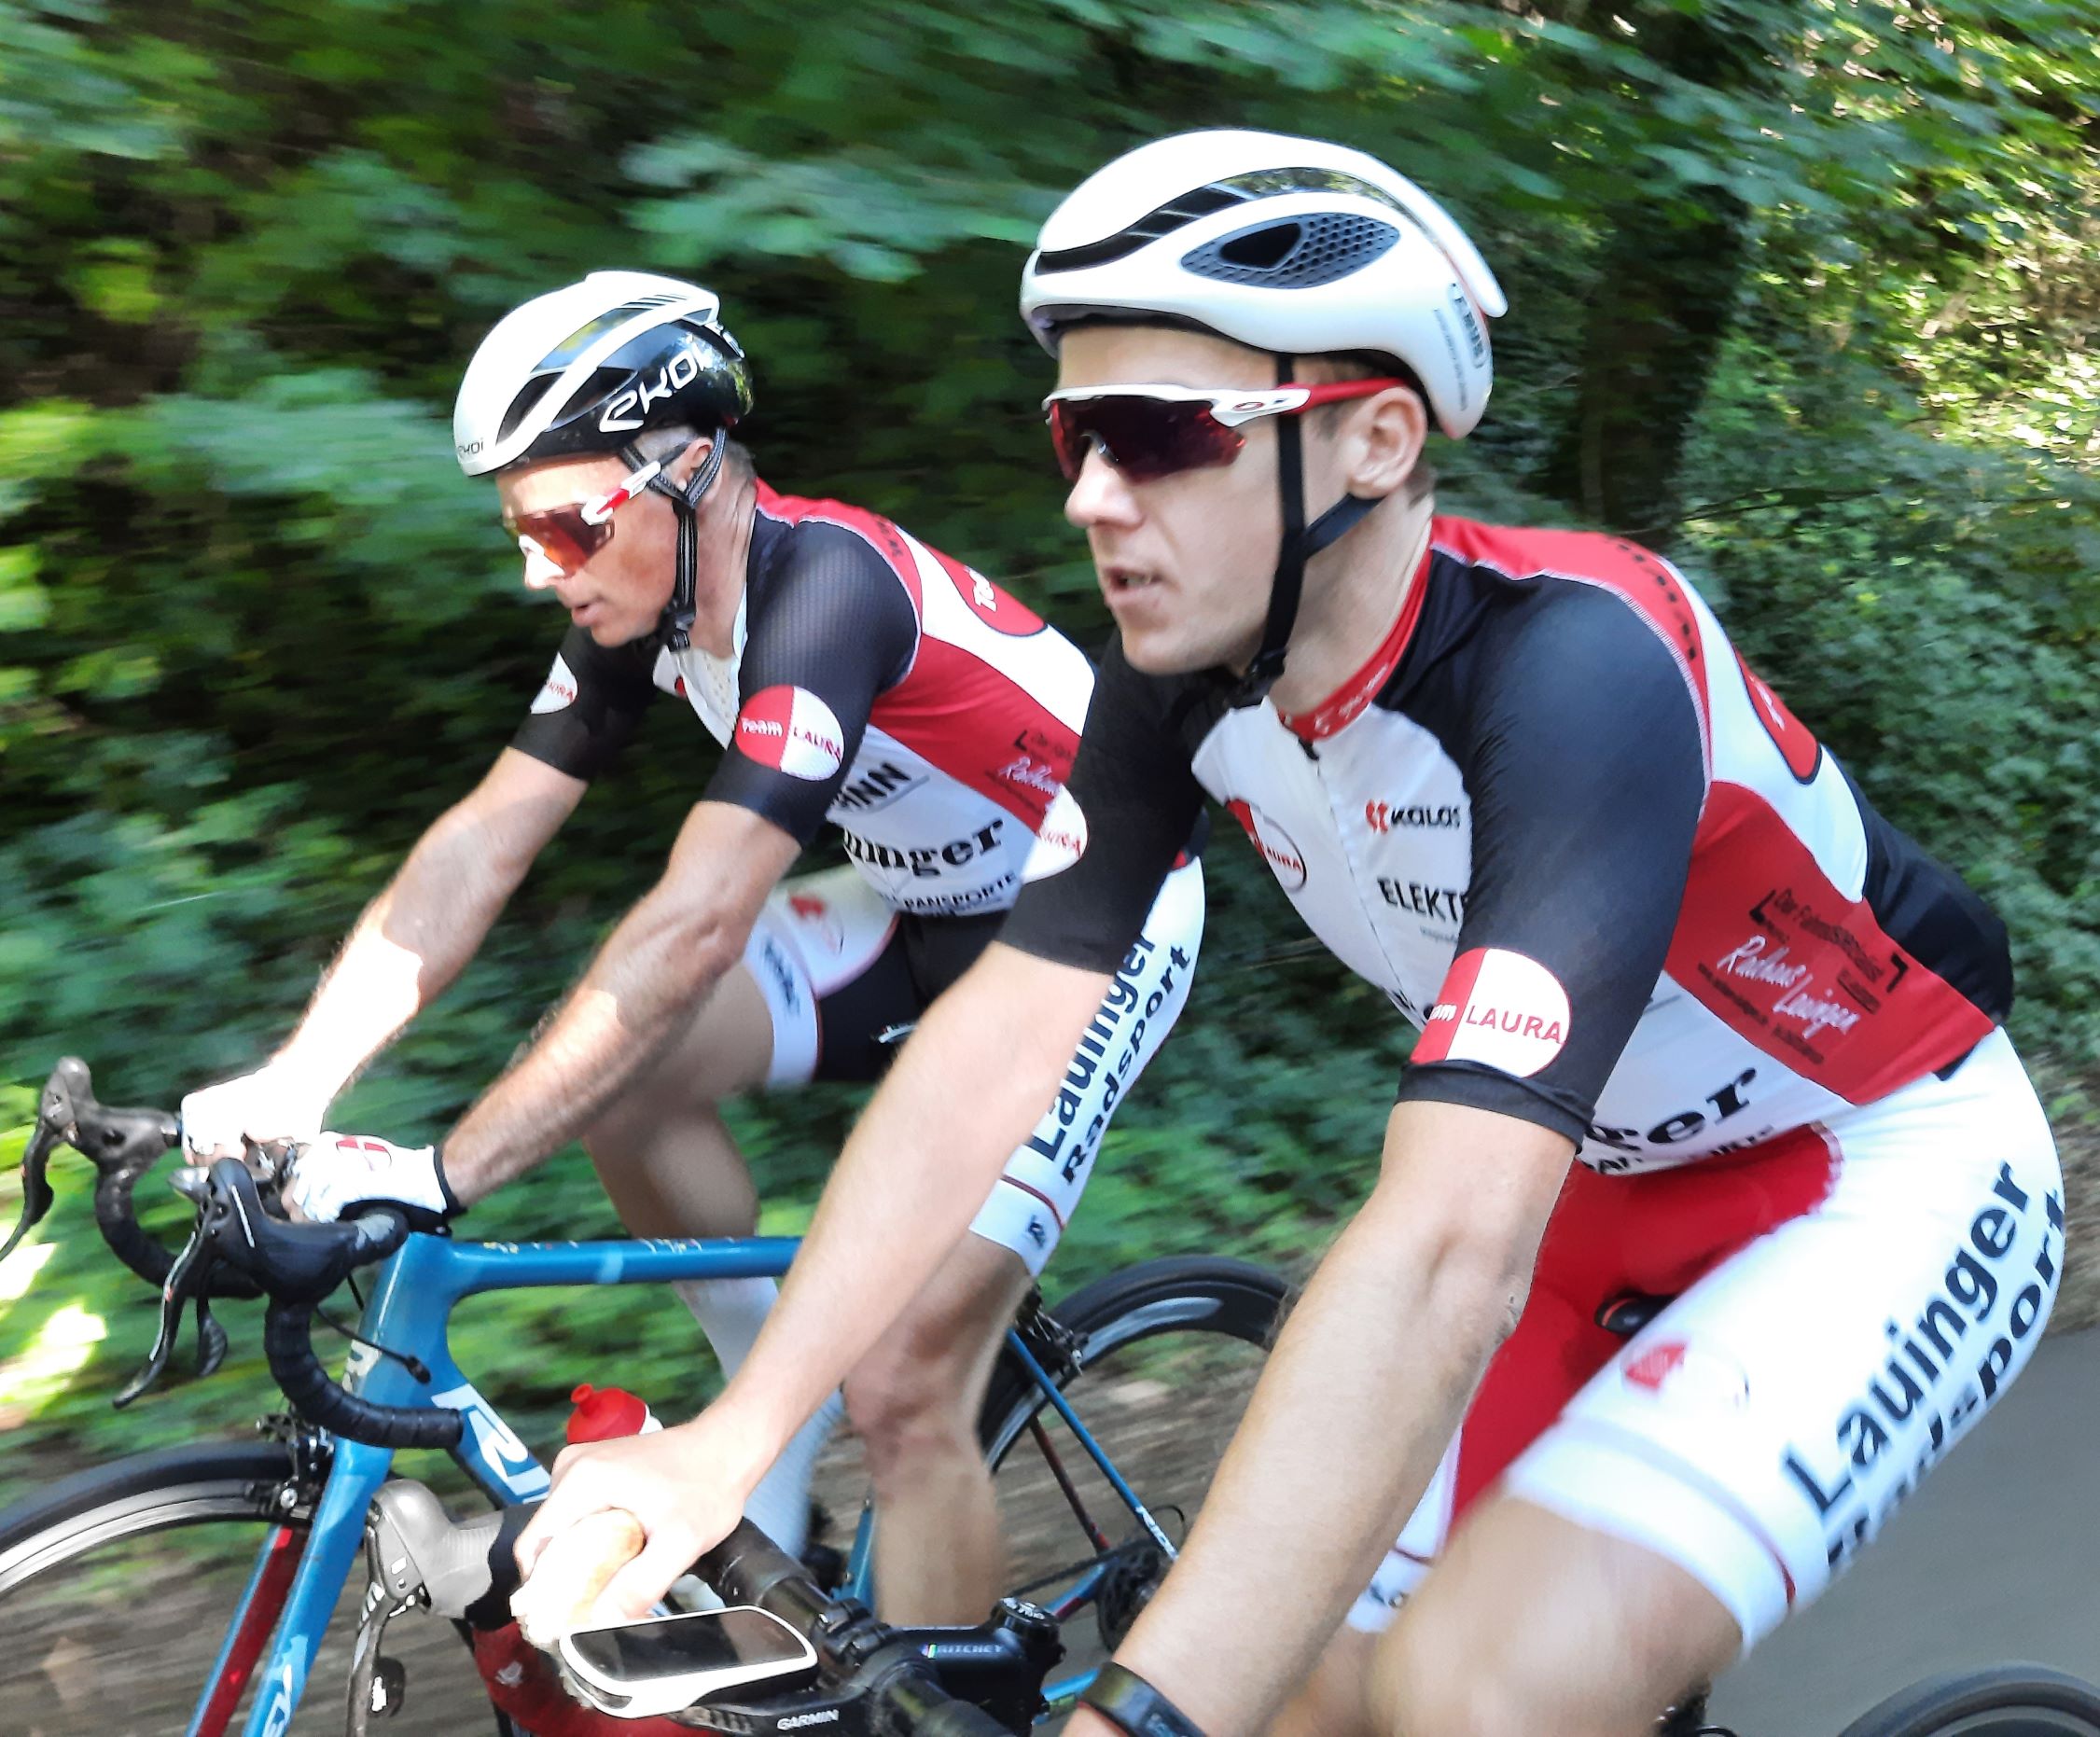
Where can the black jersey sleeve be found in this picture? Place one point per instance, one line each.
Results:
(829, 628)
(1583, 759)
(589, 705)
(1137, 802)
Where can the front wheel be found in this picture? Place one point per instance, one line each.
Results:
(1157, 1363)
(2006, 1700)
(118, 1588)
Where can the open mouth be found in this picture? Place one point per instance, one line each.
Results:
(1119, 581)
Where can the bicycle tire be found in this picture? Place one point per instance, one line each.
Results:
(48, 1545)
(1209, 1305)
(2002, 1701)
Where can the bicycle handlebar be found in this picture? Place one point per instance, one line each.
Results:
(871, 1677)
(123, 1145)
(243, 1247)
(297, 1265)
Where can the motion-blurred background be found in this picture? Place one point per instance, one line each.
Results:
(1804, 291)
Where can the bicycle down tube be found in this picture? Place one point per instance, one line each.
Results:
(407, 1315)
(405, 1319)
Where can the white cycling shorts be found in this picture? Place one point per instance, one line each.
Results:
(1853, 1297)
(844, 976)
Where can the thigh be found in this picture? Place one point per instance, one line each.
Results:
(1766, 1425)
(1035, 1198)
(828, 960)
(1532, 1622)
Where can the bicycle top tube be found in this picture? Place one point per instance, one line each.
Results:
(447, 1270)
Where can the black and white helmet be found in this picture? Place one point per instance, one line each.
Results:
(1291, 245)
(590, 367)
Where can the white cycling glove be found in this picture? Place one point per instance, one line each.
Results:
(274, 1102)
(340, 1173)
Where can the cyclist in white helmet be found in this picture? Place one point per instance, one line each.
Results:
(857, 679)
(1715, 1205)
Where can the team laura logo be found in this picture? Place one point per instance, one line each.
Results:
(1496, 1008)
(558, 689)
(1060, 841)
(792, 730)
(1272, 841)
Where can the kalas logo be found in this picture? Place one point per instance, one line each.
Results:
(996, 608)
(1384, 816)
(1272, 841)
(814, 913)
(629, 409)
(1688, 1375)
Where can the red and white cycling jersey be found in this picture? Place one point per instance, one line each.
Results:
(1621, 888)
(874, 682)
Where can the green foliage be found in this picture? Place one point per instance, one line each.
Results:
(255, 630)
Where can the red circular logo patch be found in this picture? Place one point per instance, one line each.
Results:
(791, 729)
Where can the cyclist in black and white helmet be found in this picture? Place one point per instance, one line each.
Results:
(857, 679)
(1709, 1052)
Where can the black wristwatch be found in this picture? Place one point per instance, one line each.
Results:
(1135, 1707)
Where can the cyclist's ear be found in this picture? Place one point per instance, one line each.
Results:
(1381, 441)
(682, 468)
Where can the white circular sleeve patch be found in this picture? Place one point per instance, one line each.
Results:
(558, 689)
(1060, 841)
(1499, 1008)
(792, 730)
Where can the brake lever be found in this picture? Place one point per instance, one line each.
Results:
(185, 1279)
(211, 1338)
(37, 1195)
(56, 1121)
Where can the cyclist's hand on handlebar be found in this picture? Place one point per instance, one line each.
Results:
(275, 1102)
(677, 1484)
(338, 1173)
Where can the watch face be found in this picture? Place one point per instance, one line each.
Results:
(707, 1641)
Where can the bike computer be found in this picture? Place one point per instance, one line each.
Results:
(664, 1664)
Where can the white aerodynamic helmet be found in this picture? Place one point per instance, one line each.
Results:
(588, 368)
(1291, 245)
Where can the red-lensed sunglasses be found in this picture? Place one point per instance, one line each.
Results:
(567, 537)
(1151, 432)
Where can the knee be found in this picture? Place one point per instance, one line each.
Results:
(907, 1403)
(1435, 1678)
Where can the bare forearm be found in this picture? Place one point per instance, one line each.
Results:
(1358, 1401)
(412, 941)
(657, 965)
(967, 1088)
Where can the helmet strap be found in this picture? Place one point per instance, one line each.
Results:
(1301, 543)
(676, 625)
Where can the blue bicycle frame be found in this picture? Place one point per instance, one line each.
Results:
(407, 1315)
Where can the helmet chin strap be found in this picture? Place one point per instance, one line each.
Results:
(1301, 543)
(676, 625)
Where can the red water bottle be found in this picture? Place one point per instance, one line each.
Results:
(521, 1680)
(602, 1414)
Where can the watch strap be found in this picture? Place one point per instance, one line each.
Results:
(1135, 1707)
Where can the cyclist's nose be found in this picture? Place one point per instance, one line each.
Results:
(1101, 496)
(540, 572)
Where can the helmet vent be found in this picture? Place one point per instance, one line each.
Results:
(524, 404)
(1301, 252)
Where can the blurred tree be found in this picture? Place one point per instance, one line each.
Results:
(1805, 288)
